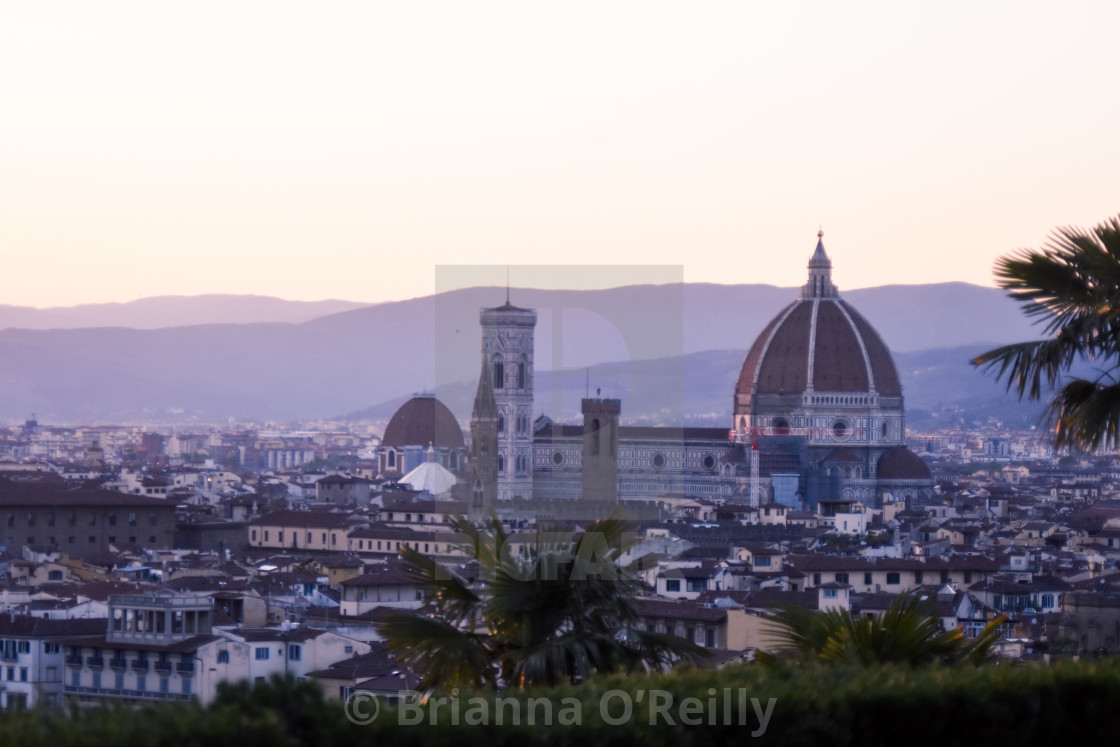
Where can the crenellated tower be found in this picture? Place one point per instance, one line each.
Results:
(600, 450)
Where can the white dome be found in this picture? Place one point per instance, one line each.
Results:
(431, 477)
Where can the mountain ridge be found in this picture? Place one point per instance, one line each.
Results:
(941, 387)
(351, 359)
(157, 312)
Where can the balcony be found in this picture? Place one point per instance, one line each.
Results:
(185, 668)
(74, 661)
(9, 654)
(118, 664)
(164, 667)
(140, 665)
(95, 662)
(107, 692)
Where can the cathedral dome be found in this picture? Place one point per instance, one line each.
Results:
(900, 463)
(818, 343)
(423, 421)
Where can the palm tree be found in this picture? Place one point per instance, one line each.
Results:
(908, 633)
(1072, 288)
(558, 614)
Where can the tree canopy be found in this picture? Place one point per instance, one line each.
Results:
(553, 614)
(1071, 288)
(908, 633)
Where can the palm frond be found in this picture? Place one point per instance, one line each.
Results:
(452, 594)
(564, 658)
(1032, 367)
(980, 650)
(662, 651)
(558, 610)
(445, 655)
(1071, 287)
(796, 632)
(908, 633)
(1086, 415)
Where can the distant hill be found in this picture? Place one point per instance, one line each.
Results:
(940, 385)
(171, 311)
(345, 362)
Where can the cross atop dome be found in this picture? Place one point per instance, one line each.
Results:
(820, 273)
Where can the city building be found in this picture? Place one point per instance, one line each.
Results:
(153, 647)
(81, 522)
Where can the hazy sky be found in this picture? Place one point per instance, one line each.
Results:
(344, 150)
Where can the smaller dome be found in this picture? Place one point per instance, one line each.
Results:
(423, 421)
(900, 463)
(430, 477)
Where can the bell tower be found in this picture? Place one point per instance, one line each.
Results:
(507, 350)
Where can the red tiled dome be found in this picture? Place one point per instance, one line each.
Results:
(847, 354)
(900, 463)
(421, 421)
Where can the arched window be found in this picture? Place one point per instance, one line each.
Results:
(521, 375)
(499, 375)
(501, 424)
(501, 463)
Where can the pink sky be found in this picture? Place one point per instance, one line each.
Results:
(345, 150)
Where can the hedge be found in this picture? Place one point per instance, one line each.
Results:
(1067, 703)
